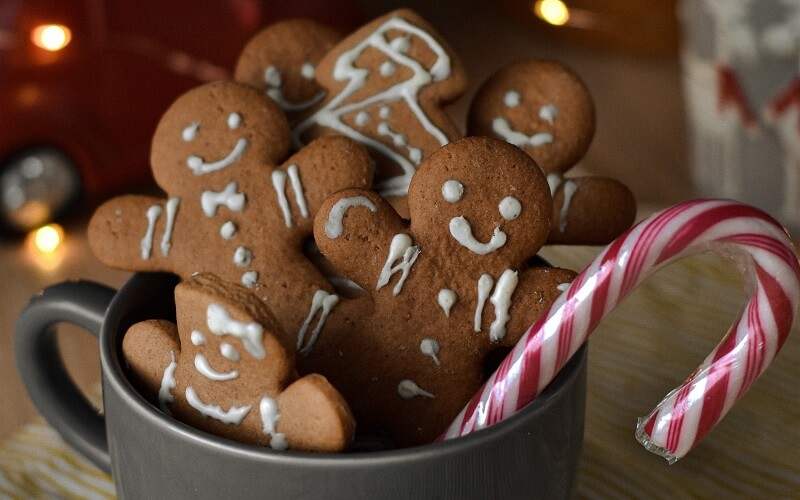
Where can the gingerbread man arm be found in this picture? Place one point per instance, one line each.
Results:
(150, 348)
(314, 416)
(590, 211)
(135, 232)
(325, 166)
(358, 231)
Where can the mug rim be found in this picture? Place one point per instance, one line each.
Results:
(113, 376)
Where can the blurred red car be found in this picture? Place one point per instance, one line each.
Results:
(84, 82)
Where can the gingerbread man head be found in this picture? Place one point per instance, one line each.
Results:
(446, 290)
(281, 61)
(228, 368)
(544, 108)
(236, 205)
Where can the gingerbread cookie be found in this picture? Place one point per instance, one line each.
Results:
(448, 290)
(228, 368)
(545, 109)
(386, 85)
(236, 205)
(281, 61)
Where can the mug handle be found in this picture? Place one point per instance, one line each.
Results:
(51, 389)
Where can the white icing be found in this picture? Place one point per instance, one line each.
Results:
(272, 76)
(554, 180)
(152, 214)
(227, 230)
(324, 301)
(234, 120)
(570, 187)
(414, 154)
(405, 92)
(242, 257)
(385, 112)
(279, 183)
(362, 118)
(501, 127)
(198, 338)
(234, 415)
(269, 418)
(512, 98)
(210, 200)
(452, 191)
(251, 334)
(400, 248)
(387, 68)
(274, 90)
(548, 113)
(308, 71)
(203, 367)
(430, 347)
(510, 208)
(172, 211)
(461, 230)
(147, 241)
(250, 278)
(501, 299)
(398, 139)
(229, 351)
(334, 226)
(485, 284)
(447, 298)
(190, 133)
(562, 287)
(199, 166)
(409, 389)
(167, 384)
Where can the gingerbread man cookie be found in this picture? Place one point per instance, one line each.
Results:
(236, 206)
(448, 290)
(228, 368)
(545, 109)
(281, 61)
(386, 85)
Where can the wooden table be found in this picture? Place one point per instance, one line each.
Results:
(648, 346)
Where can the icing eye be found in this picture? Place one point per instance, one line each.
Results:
(512, 98)
(362, 118)
(307, 71)
(510, 208)
(452, 191)
(272, 76)
(229, 351)
(548, 113)
(190, 132)
(234, 120)
(384, 112)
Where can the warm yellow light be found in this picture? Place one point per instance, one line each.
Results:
(554, 12)
(51, 37)
(48, 238)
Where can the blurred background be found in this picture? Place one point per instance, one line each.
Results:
(698, 97)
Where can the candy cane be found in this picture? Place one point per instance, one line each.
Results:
(764, 253)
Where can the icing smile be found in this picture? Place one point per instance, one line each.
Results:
(461, 230)
(200, 166)
(204, 368)
(502, 128)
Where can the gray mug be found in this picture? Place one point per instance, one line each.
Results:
(534, 453)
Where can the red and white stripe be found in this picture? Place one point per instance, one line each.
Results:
(762, 251)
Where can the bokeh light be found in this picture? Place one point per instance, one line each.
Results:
(554, 12)
(52, 37)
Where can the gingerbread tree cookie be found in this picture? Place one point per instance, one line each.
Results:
(228, 368)
(386, 84)
(545, 109)
(447, 289)
(236, 205)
